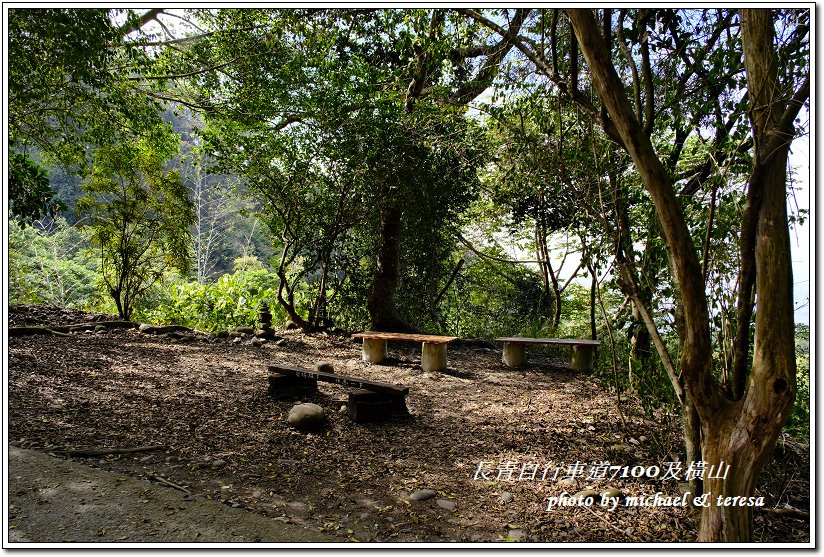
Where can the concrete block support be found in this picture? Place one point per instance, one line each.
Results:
(433, 356)
(514, 354)
(374, 350)
(581, 357)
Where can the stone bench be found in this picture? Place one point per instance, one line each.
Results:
(433, 350)
(373, 401)
(514, 352)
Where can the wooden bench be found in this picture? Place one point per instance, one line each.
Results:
(580, 356)
(374, 401)
(433, 350)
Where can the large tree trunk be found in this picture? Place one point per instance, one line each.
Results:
(381, 305)
(744, 437)
(741, 434)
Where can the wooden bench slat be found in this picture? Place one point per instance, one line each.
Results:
(561, 341)
(408, 337)
(375, 386)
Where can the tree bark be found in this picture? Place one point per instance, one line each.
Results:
(381, 305)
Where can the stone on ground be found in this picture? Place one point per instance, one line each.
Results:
(324, 367)
(306, 416)
(423, 495)
(447, 504)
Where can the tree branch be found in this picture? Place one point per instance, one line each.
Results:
(543, 67)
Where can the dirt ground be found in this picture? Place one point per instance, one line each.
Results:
(59, 501)
(493, 444)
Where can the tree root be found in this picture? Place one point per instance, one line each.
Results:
(104, 452)
(66, 329)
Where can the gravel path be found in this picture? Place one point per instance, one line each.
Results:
(52, 500)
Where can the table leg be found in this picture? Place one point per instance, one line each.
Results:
(374, 350)
(514, 354)
(433, 357)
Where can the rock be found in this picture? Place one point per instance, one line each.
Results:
(306, 416)
(612, 492)
(343, 408)
(145, 327)
(220, 463)
(245, 330)
(100, 329)
(634, 441)
(324, 367)
(506, 497)
(422, 495)
(222, 334)
(280, 342)
(147, 459)
(258, 342)
(567, 482)
(267, 334)
(642, 438)
(171, 459)
(290, 325)
(517, 534)
(447, 504)
(237, 340)
(583, 494)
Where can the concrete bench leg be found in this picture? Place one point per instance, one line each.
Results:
(374, 350)
(433, 357)
(514, 354)
(581, 358)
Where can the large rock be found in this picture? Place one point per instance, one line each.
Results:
(306, 416)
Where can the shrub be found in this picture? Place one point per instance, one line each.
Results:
(231, 301)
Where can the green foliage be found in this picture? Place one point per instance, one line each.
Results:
(49, 263)
(139, 216)
(799, 421)
(30, 196)
(65, 89)
(231, 301)
(491, 299)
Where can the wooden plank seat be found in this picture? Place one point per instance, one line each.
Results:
(372, 401)
(581, 351)
(433, 349)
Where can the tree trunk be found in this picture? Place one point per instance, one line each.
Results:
(381, 305)
(691, 424)
(739, 434)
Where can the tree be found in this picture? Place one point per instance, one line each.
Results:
(347, 77)
(138, 214)
(738, 429)
(740, 433)
(65, 93)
